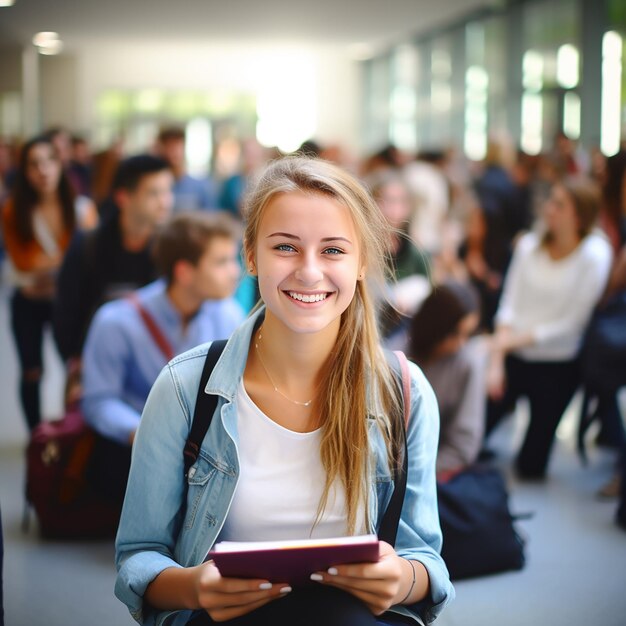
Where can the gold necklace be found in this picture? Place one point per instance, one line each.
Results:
(276, 389)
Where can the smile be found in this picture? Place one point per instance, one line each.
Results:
(303, 297)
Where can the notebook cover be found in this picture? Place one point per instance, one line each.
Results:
(291, 562)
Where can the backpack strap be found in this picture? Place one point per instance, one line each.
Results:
(153, 328)
(391, 519)
(204, 409)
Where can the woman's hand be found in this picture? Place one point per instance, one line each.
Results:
(226, 598)
(378, 585)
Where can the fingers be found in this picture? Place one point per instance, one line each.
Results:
(377, 597)
(375, 584)
(226, 598)
(223, 614)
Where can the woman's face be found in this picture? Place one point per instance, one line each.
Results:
(43, 168)
(308, 261)
(395, 203)
(559, 212)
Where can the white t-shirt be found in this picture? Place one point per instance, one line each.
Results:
(553, 299)
(281, 480)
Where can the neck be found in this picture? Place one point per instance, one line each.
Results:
(48, 198)
(135, 236)
(563, 243)
(295, 359)
(186, 304)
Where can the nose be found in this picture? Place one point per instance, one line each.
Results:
(309, 271)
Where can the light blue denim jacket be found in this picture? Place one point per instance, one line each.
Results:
(157, 532)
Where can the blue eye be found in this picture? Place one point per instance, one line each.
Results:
(333, 251)
(284, 247)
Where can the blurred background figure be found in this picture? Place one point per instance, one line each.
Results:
(115, 258)
(410, 265)
(39, 219)
(251, 158)
(555, 280)
(81, 165)
(190, 193)
(441, 341)
(499, 216)
(196, 259)
(429, 186)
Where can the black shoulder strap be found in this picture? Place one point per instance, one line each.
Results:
(205, 407)
(391, 519)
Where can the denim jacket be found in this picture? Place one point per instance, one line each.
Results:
(167, 523)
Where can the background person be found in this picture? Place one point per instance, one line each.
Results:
(115, 258)
(38, 221)
(553, 284)
(454, 362)
(190, 193)
(196, 255)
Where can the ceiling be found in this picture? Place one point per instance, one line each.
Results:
(372, 22)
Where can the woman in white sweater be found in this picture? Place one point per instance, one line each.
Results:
(554, 281)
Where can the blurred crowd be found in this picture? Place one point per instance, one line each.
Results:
(507, 279)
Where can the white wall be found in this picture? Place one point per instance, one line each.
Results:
(308, 80)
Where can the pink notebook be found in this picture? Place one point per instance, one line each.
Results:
(291, 561)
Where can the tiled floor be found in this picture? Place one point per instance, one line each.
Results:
(576, 557)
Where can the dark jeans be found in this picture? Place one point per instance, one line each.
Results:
(29, 318)
(549, 387)
(311, 606)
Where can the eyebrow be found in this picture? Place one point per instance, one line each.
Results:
(296, 238)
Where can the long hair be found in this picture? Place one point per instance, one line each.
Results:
(357, 383)
(25, 196)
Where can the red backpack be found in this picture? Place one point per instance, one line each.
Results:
(57, 457)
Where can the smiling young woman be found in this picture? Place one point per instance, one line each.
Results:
(305, 438)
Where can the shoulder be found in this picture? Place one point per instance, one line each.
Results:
(115, 314)
(422, 394)
(185, 370)
(527, 243)
(596, 245)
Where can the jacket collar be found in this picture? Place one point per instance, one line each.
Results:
(229, 368)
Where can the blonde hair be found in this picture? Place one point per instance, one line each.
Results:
(357, 383)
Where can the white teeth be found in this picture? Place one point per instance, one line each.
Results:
(318, 297)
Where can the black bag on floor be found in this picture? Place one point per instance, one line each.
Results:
(479, 536)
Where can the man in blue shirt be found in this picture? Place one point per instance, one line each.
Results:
(196, 256)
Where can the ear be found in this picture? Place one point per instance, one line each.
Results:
(250, 260)
(121, 197)
(361, 274)
(183, 272)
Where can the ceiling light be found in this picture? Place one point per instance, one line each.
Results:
(6, 3)
(44, 38)
(48, 42)
(54, 47)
